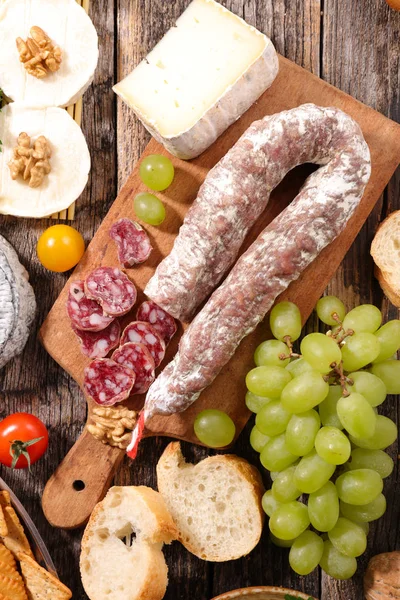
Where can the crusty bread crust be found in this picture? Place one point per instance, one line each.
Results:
(385, 253)
(172, 461)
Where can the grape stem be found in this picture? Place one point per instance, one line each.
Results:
(288, 341)
(340, 331)
(337, 372)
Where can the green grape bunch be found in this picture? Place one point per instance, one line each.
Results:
(319, 432)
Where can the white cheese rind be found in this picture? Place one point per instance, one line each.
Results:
(70, 161)
(227, 107)
(68, 25)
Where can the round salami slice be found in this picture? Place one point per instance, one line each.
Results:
(85, 314)
(132, 241)
(107, 382)
(162, 322)
(112, 289)
(138, 358)
(142, 332)
(97, 344)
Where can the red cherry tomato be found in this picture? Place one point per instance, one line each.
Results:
(23, 440)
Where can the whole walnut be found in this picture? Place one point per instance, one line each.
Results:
(382, 577)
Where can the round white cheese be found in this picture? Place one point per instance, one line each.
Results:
(70, 28)
(69, 161)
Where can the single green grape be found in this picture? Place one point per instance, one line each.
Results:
(306, 552)
(283, 487)
(268, 353)
(359, 350)
(389, 339)
(329, 307)
(272, 419)
(269, 503)
(335, 564)
(280, 543)
(149, 208)
(275, 455)
(157, 172)
(214, 428)
(356, 415)
(389, 372)
(304, 392)
(254, 402)
(289, 520)
(285, 321)
(364, 318)
(323, 507)
(267, 381)
(320, 351)
(378, 460)
(327, 408)
(368, 385)
(348, 538)
(360, 486)
(312, 473)
(364, 526)
(332, 445)
(301, 431)
(258, 439)
(384, 435)
(298, 366)
(366, 512)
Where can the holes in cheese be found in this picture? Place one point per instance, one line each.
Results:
(204, 73)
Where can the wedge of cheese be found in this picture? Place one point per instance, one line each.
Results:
(202, 76)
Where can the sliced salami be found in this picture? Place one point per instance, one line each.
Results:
(142, 332)
(162, 321)
(112, 289)
(97, 344)
(107, 382)
(132, 241)
(85, 314)
(138, 358)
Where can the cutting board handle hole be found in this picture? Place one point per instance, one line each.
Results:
(78, 485)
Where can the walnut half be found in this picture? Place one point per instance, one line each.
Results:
(38, 54)
(113, 425)
(31, 163)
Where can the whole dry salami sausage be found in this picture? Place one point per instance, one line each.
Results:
(106, 382)
(235, 193)
(85, 314)
(142, 332)
(138, 358)
(162, 322)
(97, 344)
(280, 254)
(133, 243)
(112, 289)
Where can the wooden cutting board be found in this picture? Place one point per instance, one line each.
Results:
(85, 474)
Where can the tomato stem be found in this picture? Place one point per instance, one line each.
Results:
(19, 448)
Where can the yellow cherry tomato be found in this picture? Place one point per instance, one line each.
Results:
(60, 248)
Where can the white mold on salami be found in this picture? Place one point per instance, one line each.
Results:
(97, 344)
(132, 241)
(282, 251)
(85, 314)
(237, 190)
(112, 289)
(137, 357)
(162, 322)
(107, 382)
(142, 332)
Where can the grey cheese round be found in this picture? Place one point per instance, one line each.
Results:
(17, 304)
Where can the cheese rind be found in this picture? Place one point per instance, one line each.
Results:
(69, 161)
(201, 77)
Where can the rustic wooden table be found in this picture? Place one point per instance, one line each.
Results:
(353, 45)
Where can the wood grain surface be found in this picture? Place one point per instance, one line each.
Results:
(353, 45)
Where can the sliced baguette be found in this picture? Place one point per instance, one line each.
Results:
(385, 250)
(216, 504)
(113, 568)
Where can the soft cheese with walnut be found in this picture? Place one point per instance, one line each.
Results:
(201, 77)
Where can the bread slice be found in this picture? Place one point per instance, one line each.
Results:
(385, 250)
(121, 555)
(216, 504)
